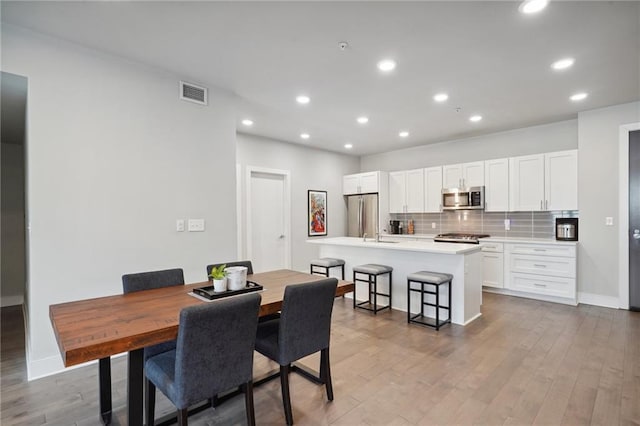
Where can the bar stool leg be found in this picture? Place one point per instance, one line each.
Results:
(408, 301)
(437, 307)
(422, 300)
(375, 295)
(390, 292)
(449, 301)
(342, 267)
(355, 285)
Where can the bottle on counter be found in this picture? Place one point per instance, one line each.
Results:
(400, 228)
(410, 228)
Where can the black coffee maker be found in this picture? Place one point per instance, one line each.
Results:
(394, 226)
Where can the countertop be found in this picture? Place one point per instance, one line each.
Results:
(488, 240)
(419, 246)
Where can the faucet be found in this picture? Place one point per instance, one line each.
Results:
(364, 237)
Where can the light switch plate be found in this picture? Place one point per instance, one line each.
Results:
(608, 221)
(180, 225)
(433, 225)
(196, 225)
(507, 224)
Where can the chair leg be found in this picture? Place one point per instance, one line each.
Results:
(150, 401)
(325, 372)
(247, 388)
(286, 397)
(183, 416)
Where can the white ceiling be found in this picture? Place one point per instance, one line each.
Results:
(488, 57)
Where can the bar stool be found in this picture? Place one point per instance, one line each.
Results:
(372, 271)
(427, 278)
(326, 263)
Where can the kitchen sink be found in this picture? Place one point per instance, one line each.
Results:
(383, 242)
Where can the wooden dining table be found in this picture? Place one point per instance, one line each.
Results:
(94, 329)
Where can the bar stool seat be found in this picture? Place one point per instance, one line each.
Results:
(324, 264)
(434, 279)
(372, 271)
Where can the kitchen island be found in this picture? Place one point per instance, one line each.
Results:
(463, 261)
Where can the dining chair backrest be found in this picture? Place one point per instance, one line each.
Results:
(150, 280)
(215, 347)
(246, 263)
(305, 319)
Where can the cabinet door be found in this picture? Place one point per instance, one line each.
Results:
(496, 181)
(452, 176)
(368, 182)
(433, 189)
(397, 191)
(415, 191)
(561, 180)
(493, 270)
(473, 174)
(526, 183)
(350, 184)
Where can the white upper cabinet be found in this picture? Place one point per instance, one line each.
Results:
(544, 182)
(496, 180)
(526, 183)
(463, 175)
(360, 183)
(406, 191)
(561, 180)
(433, 189)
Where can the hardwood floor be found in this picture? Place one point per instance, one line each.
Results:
(523, 362)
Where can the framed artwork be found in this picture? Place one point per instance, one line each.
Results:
(316, 213)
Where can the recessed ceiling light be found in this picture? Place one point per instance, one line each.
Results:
(532, 6)
(475, 118)
(348, 146)
(303, 99)
(441, 97)
(362, 120)
(247, 122)
(387, 65)
(562, 64)
(403, 134)
(578, 96)
(305, 135)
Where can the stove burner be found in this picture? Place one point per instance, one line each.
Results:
(455, 237)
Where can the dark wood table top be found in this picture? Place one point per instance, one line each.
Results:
(91, 329)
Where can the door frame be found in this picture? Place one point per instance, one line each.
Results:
(623, 213)
(286, 175)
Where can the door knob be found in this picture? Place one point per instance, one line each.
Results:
(636, 234)
(281, 236)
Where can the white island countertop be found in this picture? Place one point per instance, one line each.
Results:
(417, 246)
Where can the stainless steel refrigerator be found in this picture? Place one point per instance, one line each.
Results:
(362, 211)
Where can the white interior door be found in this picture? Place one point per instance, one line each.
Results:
(268, 238)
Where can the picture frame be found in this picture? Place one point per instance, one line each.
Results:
(316, 213)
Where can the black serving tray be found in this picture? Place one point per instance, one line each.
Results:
(207, 292)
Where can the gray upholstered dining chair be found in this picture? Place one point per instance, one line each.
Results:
(131, 283)
(304, 328)
(214, 353)
(246, 263)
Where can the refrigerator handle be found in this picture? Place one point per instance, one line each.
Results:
(360, 214)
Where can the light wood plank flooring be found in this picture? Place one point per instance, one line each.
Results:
(523, 362)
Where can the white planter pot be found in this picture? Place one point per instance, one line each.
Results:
(220, 285)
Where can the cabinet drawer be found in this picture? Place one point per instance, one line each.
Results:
(540, 284)
(492, 247)
(543, 249)
(492, 270)
(543, 265)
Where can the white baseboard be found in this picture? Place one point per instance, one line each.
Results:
(544, 298)
(598, 300)
(12, 300)
(53, 365)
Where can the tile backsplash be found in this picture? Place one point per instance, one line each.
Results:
(523, 224)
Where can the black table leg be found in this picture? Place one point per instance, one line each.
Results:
(104, 384)
(135, 387)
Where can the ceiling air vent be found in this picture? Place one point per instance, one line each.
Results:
(192, 93)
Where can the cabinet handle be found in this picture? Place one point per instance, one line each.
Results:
(491, 256)
(546, 204)
(535, 249)
(539, 285)
(489, 247)
(540, 204)
(537, 265)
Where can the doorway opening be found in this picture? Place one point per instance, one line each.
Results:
(13, 179)
(268, 218)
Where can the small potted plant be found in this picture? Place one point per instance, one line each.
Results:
(219, 277)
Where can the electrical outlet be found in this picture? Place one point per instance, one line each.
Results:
(433, 225)
(608, 221)
(507, 224)
(196, 225)
(180, 225)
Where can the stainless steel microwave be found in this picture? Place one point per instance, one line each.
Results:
(463, 198)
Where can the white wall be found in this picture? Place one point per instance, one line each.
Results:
(598, 140)
(114, 158)
(530, 140)
(310, 169)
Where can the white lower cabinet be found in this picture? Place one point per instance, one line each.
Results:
(493, 265)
